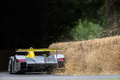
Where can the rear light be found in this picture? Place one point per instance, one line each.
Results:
(61, 59)
(20, 60)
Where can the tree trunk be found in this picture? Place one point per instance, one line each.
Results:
(113, 19)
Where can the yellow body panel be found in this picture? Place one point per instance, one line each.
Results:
(31, 54)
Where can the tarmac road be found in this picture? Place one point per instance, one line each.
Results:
(4, 75)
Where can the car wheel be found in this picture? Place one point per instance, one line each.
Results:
(20, 72)
(10, 66)
(48, 70)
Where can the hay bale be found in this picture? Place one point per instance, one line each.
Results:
(98, 56)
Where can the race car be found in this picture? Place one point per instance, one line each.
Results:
(35, 60)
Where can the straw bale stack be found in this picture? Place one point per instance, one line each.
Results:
(91, 57)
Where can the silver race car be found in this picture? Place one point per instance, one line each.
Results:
(35, 60)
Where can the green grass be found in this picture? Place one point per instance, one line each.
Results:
(111, 79)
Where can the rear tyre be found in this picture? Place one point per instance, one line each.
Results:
(10, 66)
(20, 72)
(48, 71)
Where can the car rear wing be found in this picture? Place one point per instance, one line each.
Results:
(37, 50)
(31, 51)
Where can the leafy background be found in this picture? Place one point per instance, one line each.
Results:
(40, 23)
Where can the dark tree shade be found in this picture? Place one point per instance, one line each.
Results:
(38, 23)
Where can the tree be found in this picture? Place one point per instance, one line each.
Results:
(38, 23)
(113, 16)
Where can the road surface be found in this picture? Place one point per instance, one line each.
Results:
(4, 75)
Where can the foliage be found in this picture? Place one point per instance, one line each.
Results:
(84, 31)
(38, 23)
(113, 17)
